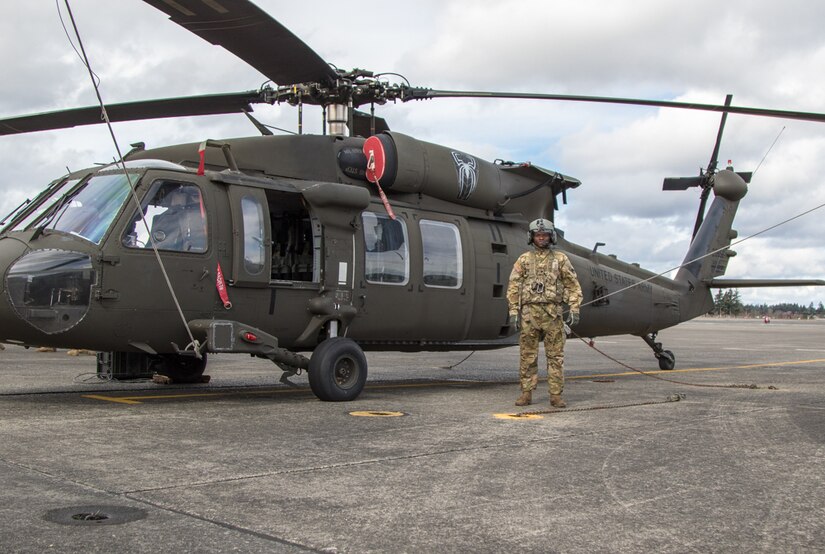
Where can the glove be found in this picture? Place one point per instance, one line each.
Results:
(515, 321)
(572, 318)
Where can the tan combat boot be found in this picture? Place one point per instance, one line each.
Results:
(525, 399)
(557, 401)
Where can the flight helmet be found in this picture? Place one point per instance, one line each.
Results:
(541, 226)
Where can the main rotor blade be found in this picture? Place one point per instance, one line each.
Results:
(251, 34)
(130, 111)
(423, 94)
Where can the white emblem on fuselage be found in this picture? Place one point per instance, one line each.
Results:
(467, 170)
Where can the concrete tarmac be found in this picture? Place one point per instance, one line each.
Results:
(246, 463)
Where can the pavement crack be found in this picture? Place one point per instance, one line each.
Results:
(58, 478)
(223, 524)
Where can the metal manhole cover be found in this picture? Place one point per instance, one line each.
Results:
(376, 413)
(518, 416)
(94, 515)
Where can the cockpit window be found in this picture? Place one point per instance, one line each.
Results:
(46, 205)
(176, 218)
(89, 211)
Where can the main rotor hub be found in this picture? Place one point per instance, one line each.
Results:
(356, 88)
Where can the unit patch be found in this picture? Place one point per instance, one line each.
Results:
(467, 171)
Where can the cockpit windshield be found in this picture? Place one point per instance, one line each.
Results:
(46, 205)
(86, 210)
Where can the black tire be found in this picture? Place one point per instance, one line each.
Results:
(667, 360)
(337, 370)
(181, 369)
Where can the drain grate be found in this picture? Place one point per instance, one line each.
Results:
(90, 516)
(94, 515)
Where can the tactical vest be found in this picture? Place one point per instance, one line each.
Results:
(541, 278)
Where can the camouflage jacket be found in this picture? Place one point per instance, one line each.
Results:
(544, 276)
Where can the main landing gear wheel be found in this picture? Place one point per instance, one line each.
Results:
(181, 369)
(337, 370)
(667, 360)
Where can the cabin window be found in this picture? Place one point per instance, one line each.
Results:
(443, 261)
(254, 253)
(176, 219)
(386, 250)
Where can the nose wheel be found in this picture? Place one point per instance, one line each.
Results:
(667, 360)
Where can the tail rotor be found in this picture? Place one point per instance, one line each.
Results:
(705, 178)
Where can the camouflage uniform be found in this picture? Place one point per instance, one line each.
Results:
(541, 280)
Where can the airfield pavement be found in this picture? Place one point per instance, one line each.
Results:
(248, 464)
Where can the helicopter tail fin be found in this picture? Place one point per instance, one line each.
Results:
(708, 255)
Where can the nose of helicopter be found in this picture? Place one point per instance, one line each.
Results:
(48, 289)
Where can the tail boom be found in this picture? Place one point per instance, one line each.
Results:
(709, 252)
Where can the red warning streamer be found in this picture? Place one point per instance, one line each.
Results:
(220, 283)
(202, 154)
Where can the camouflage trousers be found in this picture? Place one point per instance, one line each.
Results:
(536, 325)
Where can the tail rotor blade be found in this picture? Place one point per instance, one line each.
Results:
(681, 183)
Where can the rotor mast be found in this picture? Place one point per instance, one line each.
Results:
(338, 119)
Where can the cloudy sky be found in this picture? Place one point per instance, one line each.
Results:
(766, 53)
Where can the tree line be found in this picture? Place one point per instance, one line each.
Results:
(729, 303)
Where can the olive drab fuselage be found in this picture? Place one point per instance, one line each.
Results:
(303, 242)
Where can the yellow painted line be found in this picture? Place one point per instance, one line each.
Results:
(111, 399)
(139, 399)
(373, 413)
(694, 369)
(241, 392)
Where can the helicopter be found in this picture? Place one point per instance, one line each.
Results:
(275, 246)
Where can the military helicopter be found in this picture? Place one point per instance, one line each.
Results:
(278, 245)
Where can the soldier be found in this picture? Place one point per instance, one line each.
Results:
(542, 279)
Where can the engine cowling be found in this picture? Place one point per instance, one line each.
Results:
(420, 167)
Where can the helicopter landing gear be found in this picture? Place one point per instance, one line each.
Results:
(667, 360)
(181, 369)
(337, 370)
